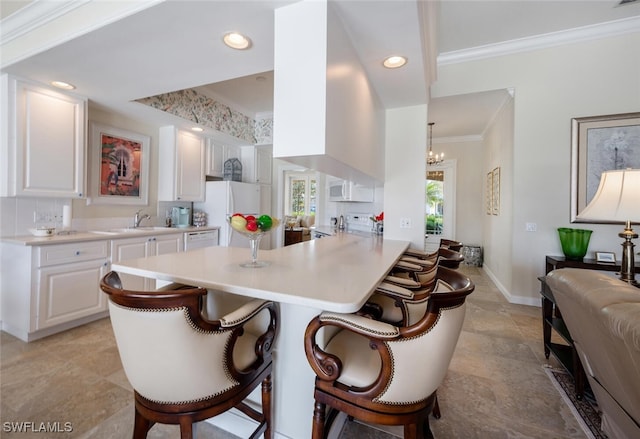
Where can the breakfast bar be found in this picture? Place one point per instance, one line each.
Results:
(333, 274)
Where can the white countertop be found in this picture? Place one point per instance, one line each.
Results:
(336, 273)
(97, 235)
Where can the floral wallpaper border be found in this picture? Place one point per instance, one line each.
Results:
(203, 110)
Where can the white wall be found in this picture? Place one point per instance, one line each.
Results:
(551, 86)
(470, 189)
(497, 229)
(327, 116)
(404, 196)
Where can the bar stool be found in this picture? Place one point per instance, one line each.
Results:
(184, 368)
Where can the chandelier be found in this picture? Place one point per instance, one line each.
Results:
(433, 159)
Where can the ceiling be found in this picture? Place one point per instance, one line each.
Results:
(174, 45)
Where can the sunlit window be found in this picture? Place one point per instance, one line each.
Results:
(301, 194)
(434, 193)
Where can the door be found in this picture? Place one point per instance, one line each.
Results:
(440, 192)
(51, 140)
(189, 167)
(70, 291)
(131, 248)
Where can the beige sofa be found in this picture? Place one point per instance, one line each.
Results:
(602, 314)
(304, 222)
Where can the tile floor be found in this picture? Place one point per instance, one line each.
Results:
(495, 388)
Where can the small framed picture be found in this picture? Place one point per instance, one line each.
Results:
(606, 257)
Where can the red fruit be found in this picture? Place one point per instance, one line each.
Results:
(237, 214)
(252, 225)
(250, 217)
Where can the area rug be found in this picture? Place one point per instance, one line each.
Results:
(585, 411)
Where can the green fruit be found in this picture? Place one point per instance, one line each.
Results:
(265, 222)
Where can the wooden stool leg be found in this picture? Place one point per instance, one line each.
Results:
(266, 406)
(317, 431)
(410, 431)
(186, 428)
(141, 426)
(436, 409)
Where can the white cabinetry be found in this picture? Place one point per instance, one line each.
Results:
(42, 142)
(50, 288)
(181, 165)
(218, 152)
(142, 247)
(257, 163)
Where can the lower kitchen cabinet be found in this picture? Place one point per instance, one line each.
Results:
(70, 291)
(50, 288)
(141, 247)
(47, 289)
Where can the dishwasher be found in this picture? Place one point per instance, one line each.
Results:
(200, 239)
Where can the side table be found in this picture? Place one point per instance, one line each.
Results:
(566, 354)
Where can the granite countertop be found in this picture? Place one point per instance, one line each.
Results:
(97, 235)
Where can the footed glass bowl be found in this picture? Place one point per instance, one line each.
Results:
(254, 243)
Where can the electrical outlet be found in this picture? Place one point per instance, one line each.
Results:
(531, 227)
(405, 223)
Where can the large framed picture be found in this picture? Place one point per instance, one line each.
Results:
(599, 144)
(119, 166)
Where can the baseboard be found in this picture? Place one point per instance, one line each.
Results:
(518, 300)
(27, 336)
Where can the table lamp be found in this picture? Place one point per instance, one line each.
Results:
(618, 200)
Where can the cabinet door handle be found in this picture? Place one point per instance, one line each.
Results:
(77, 252)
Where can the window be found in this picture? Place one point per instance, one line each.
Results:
(301, 193)
(434, 202)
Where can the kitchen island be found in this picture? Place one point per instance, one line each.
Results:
(337, 274)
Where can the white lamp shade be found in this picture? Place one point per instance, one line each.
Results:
(617, 198)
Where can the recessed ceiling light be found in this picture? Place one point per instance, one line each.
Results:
(62, 84)
(236, 40)
(395, 61)
(198, 129)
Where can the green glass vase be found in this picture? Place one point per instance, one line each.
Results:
(575, 242)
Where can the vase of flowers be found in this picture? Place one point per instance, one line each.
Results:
(378, 223)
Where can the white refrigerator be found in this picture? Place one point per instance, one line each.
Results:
(223, 199)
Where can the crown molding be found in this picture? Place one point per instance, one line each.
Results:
(34, 15)
(56, 22)
(580, 34)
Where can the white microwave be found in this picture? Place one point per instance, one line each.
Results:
(344, 190)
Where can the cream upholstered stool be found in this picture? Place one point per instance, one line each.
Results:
(451, 244)
(401, 300)
(386, 374)
(443, 256)
(184, 368)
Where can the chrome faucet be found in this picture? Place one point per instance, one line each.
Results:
(137, 219)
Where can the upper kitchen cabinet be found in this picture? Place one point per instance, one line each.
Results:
(43, 141)
(257, 164)
(181, 165)
(219, 152)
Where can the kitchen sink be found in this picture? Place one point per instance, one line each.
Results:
(130, 230)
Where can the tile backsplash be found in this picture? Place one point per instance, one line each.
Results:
(18, 215)
(21, 214)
